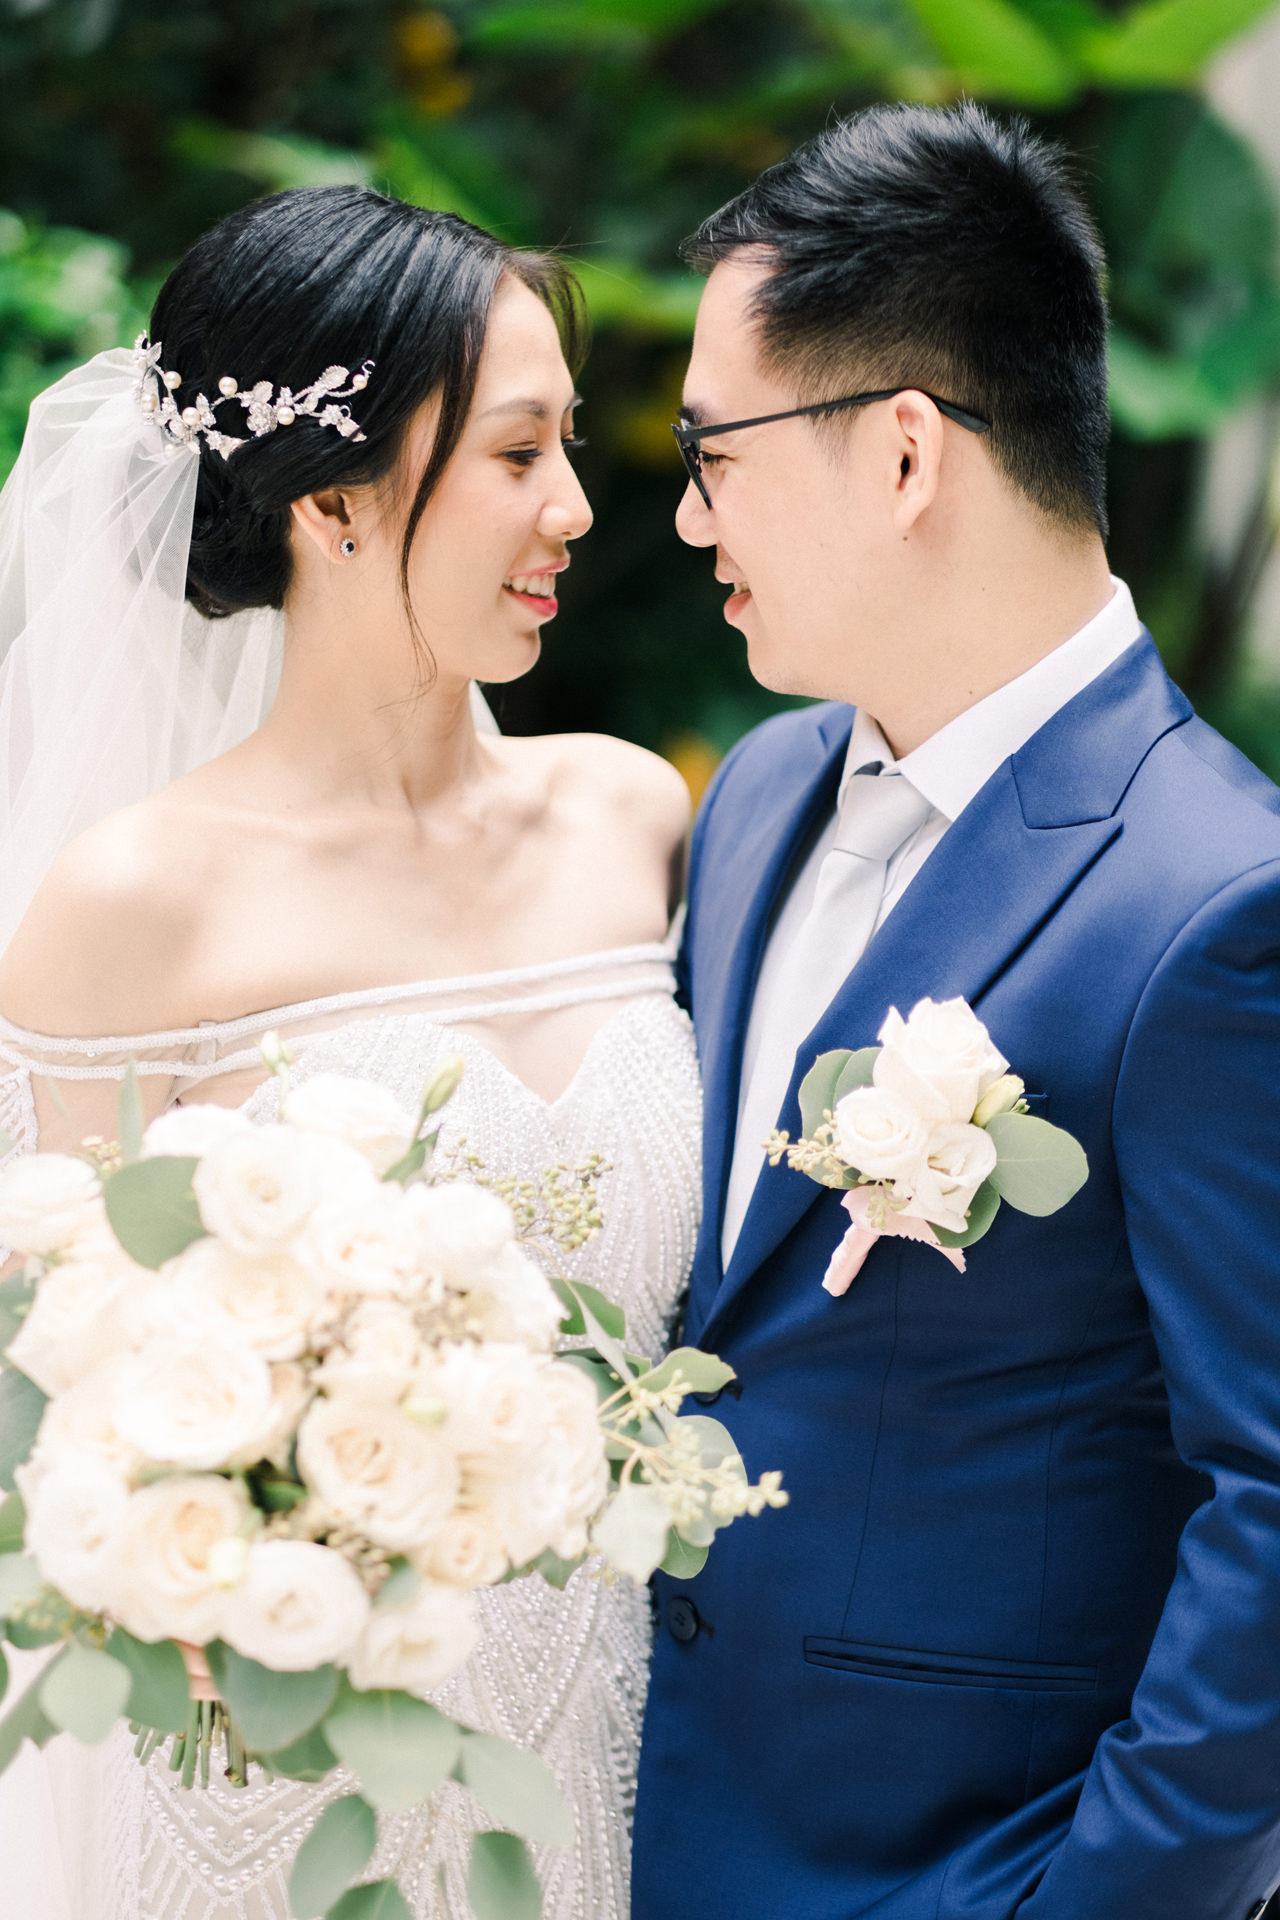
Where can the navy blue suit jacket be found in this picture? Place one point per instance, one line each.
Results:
(1014, 1646)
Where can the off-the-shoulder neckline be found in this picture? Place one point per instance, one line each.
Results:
(573, 965)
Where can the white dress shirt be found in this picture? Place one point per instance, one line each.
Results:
(949, 769)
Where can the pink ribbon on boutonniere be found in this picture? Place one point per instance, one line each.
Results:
(846, 1261)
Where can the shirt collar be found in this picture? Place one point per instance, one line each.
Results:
(956, 762)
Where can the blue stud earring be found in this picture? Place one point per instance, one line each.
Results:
(346, 547)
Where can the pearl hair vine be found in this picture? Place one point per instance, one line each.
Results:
(265, 409)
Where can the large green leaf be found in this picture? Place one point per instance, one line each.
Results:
(13, 1521)
(26, 1718)
(982, 1211)
(997, 51)
(334, 1853)
(1040, 1167)
(377, 1900)
(85, 1693)
(1167, 42)
(701, 1372)
(152, 1208)
(818, 1089)
(681, 1560)
(501, 1883)
(398, 1748)
(159, 1695)
(517, 1788)
(311, 1758)
(22, 1408)
(574, 1295)
(16, 1295)
(270, 1710)
(857, 1071)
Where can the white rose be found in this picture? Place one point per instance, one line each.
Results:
(416, 1645)
(467, 1551)
(369, 1464)
(164, 1567)
(579, 1445)
(531, 1504)
(462, 1230)
(631, 1533)
(45, 1200)
(880, 1134)
(82, 1422)
(291, 1389)
(958, 1160)
(74, 1514)
(258, 1188)
(79, 1317)
(496, 1400)
(365, 1115)
(189, 1132)
(194, 1403)
(514, 1301)
(940, 1061)
(265, 1301)
(298, 1606)
(368, 1245)
(379, 1354)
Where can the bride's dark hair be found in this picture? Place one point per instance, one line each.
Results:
(307, 279)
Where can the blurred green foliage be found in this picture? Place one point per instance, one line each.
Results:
(609, 128)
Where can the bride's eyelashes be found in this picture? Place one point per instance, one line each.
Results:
(525, 456)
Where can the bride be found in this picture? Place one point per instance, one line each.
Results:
(346, 450)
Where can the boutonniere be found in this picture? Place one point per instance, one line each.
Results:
(928, 1133)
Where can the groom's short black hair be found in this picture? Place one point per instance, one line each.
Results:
(938, 247)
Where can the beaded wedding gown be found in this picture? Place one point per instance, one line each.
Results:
(562, 1673)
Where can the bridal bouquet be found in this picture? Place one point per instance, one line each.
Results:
(289, 1394)
(928, 1133)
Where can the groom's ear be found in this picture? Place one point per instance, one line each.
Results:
(917, 446)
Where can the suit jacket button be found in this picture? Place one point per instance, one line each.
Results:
(682, 1619)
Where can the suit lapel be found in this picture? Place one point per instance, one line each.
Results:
(736, 900)
(984, 893)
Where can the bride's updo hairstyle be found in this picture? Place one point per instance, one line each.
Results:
(308, 279)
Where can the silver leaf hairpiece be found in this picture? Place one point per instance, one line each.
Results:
(264, 409)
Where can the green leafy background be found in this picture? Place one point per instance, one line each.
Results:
(609, 127)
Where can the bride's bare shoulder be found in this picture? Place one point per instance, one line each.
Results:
(105, 941)
(618, 778)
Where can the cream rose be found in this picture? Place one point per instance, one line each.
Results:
(265, 1301)
(74, 1514)
(940, 1061)
(579, 1444)
(164, 1580)
(880, 1133)
(361, 1113)
(462, 1231)
(513, 1301)
(46, 1199)
(467, 1551)
(958, 1160)
(258, 1188)
(78, 1318)
(298, 1606)
(495, 1395)
(189, 1132)
(372, 1466)
(416, 1645)
(369, 1245)
(194, 1403)
(379, 1353)
(82, 1423)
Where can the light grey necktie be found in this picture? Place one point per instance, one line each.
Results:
(879, 812)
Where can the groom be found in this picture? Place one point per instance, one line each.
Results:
(1014, 1645)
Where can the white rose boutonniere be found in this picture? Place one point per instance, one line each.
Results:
(927, 1134)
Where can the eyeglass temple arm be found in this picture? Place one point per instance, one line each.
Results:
(962, 417)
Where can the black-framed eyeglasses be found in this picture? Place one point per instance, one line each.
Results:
(689, 437)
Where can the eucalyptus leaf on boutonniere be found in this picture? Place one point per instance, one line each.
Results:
(927, 1133)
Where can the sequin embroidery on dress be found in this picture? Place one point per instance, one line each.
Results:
(564, 1673)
